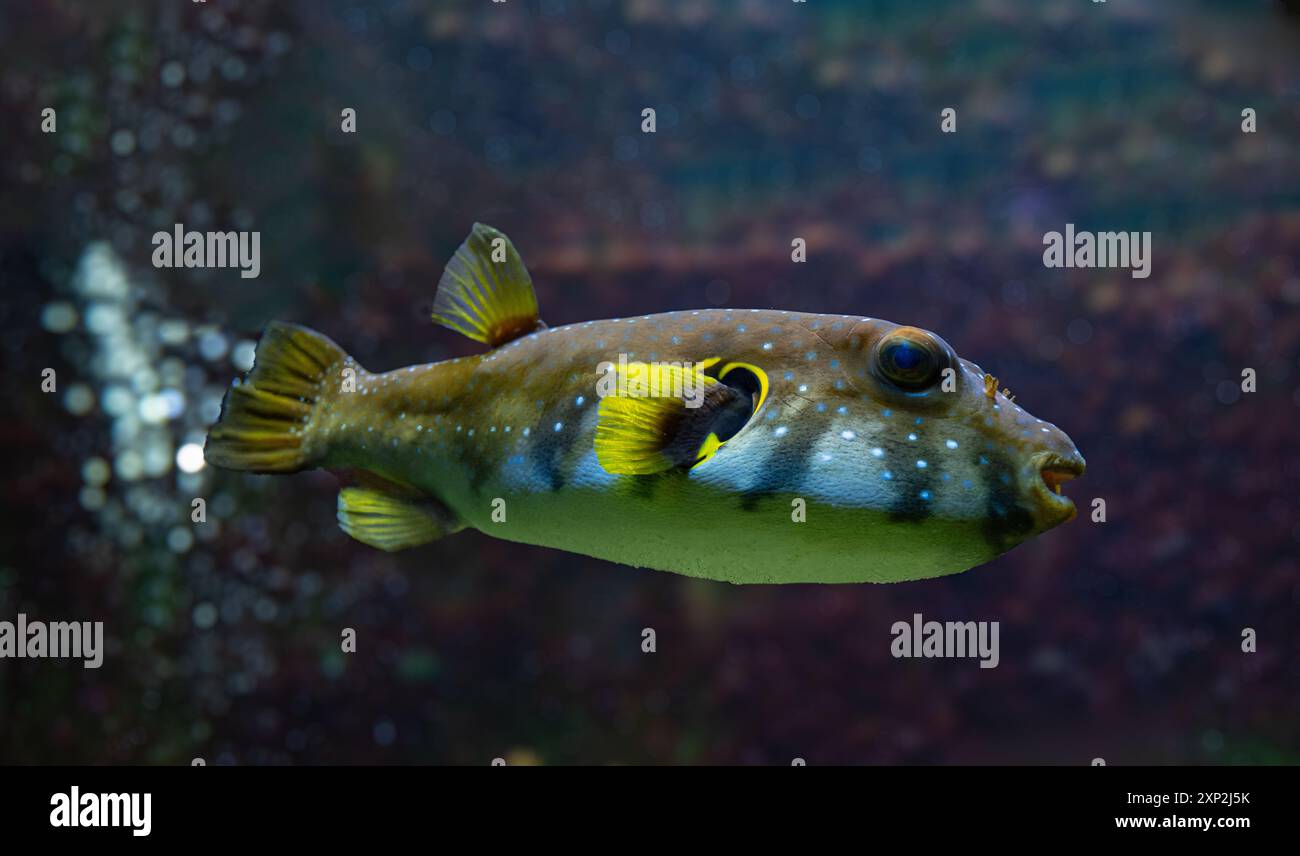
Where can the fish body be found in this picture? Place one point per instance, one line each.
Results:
(804, 459)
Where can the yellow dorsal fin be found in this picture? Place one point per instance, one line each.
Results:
(645, 425)
(485, 292)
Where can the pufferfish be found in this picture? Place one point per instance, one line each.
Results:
(749, 446)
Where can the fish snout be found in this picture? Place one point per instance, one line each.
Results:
(1043, 476)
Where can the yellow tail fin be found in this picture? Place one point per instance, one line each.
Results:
(265, 424)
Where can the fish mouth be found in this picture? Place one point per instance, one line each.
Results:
(1048, 471)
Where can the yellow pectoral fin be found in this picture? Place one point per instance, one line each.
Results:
(632, 434)
(646, 426)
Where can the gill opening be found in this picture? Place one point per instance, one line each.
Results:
(758, 373)
(745, 378)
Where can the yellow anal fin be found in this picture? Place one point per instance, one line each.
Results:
(657, 418)
(485, 292)
(389, 522)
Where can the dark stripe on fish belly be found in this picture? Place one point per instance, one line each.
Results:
(549, 446)
(645, 487)
(780, 472)
(1005, 521)
(550, 463)
(479, 467)
(475, 467)
(908, 506)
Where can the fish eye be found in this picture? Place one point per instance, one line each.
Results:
(910, 359)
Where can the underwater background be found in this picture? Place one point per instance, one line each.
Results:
(1119, 640)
